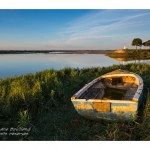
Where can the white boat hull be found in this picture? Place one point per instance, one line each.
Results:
(111, 109)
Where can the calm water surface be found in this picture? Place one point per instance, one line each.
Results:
(18, 64)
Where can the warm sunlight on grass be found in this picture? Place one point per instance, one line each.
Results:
(41, 102)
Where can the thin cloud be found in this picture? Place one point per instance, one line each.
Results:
(88, 24)
(102, 24)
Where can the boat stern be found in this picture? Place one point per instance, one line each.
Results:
(95, 110)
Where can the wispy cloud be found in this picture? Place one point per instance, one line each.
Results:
(100, 24)
(101, 20)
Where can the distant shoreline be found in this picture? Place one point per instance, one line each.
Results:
(56, 51)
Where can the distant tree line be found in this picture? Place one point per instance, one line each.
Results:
(138, 42)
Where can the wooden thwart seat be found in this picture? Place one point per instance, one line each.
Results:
(126, 85)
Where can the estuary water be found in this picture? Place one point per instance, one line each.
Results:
(17, 64)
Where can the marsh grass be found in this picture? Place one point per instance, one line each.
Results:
(42, 101)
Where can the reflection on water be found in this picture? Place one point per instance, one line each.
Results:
(136, 59)
(17, 64)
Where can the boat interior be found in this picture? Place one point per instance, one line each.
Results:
(115, 88)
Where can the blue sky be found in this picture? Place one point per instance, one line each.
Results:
(71, 29)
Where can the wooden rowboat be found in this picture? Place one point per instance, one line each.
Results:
(115, 95)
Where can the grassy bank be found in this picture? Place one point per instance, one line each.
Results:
(143, 53)
(41, 103)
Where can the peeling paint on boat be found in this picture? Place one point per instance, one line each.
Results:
(83, 106)
(123, 108)
(101, 106)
